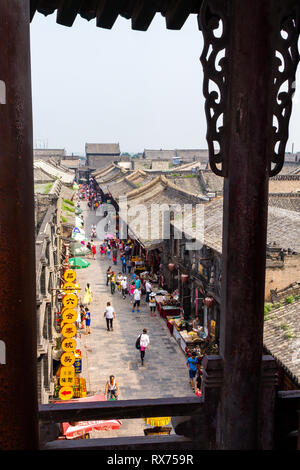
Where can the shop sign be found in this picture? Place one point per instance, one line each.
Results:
(67, 376)
(70, 275)
(78, 366)
(69, 287)
(67, 359)
(69, 315)
(69, 330)
(70, 300)
(212, 331)
(65, 393)
(68, 345)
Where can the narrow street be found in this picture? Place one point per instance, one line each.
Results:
(164, 373)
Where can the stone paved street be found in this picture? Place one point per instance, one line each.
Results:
(164, 373)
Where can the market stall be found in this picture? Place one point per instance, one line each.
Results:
(168, 304)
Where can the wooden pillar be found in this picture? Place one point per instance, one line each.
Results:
(244, 68)
(18, 375)
(245, 222)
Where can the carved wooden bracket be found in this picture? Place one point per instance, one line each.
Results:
(215, 22)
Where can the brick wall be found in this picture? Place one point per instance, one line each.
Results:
(280, 277)
(284, 185)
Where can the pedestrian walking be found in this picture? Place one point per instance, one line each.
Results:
(144, 342)
(136, 299)
(108, 250)
(108, 274)
(131, 291)
(88, 295)
(82, 316)
(137, 282)
(192, 367)
(110, 315)
(112, 282)
(124, 264)
(118, 282)
(152, 304)
(148, 289)
(111, 388)
(87, 321)
(124, 287)
(93, 251)
(115, 255)
(102, 251)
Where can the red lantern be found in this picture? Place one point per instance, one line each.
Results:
(208, 301)
(171, 266)
(184, 278)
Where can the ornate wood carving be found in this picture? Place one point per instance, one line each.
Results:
(286, 58)
(214, 21)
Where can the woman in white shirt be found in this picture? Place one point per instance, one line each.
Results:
(136, 299)
(144, 343)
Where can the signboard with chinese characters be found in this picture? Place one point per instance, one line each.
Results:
(70, 300)
(66, 393)
(67, 359)
(70, 275)
(67, 376)
(69, 330)
(69, 315)
(68, 345)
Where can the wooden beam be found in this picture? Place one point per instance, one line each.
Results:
(67, 11)
(177, 13)
(172, 442)
(107, 12)
(143, 15)
(33, 8)
(47, 7)
(121, 409)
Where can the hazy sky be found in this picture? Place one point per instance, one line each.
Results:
(141, 89)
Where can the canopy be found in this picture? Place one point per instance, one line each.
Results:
(78, 249)
(158, 421)
(78, 263)
(78, 222)
(108, 235)
(80, 428)
(79, 236)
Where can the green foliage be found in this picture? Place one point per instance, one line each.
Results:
(66, 207)
(290, 299)
(284, 326)
(47, 188)
(67, 201)
(64, 219)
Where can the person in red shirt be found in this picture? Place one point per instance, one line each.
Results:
(94, 251)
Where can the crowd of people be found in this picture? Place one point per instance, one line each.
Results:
(126, 283)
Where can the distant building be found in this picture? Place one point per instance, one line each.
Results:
(100, 155)
(159, 154)
(46, 154)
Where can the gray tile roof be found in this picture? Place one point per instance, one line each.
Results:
(282, 337)
(102, 149)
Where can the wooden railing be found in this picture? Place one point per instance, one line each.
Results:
(287, 427)
(122, 409)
